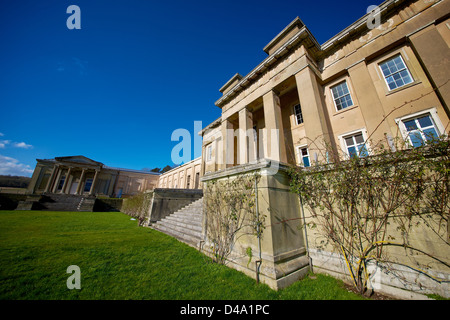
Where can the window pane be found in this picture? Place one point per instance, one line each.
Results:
(391, 66)
(410, 125)
(399, 63)
(304, 151)
(352, 152)
(359, 139)
(363, 151)
(349, 141)
(61, 182)
(87, 186)
(430, 134)
(385, 70)
(298, 114)
(425, 121)
(335, 92)
(416, 139)
(348, 101)
(306, 161)
(405, 76)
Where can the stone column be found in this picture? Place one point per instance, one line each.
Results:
(185, 178)
(246, 136)
(34, 179)
(369, 102)
(58, 176)
(91, 192)
(203, 163)
(433, 53)
(81, 181)
(275, 147)
(66, 181)
(227, 144)
(52, 176)
(314, 113)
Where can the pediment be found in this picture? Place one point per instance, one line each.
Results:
(81, 160)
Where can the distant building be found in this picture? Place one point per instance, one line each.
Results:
(78, 175)
(186, 176)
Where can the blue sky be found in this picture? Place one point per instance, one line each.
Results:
(137, 70)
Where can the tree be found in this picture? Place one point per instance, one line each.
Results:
(166, 168)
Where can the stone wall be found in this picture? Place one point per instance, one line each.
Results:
(107, 205)
(282, 250)
(9, 201)
(406, 273)
(167, 201)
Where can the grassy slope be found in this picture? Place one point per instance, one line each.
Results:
(119, 260)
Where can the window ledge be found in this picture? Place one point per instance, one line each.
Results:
(298, 125)
(344, 110)
(412, 84)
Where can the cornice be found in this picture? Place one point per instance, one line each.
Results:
(303, 34)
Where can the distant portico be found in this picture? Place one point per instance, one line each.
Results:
(79, 175)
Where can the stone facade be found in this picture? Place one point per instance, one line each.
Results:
(186, 176)
(78, 175)
(362, 87)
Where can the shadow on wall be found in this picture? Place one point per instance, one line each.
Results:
(168, 201)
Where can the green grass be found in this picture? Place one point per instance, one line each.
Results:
(119, 260)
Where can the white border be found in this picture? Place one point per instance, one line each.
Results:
(343, 145)
(349, 92)
(299, 160)
(407, 69)
(434, 116)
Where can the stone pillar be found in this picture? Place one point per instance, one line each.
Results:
(91, 192)
(227, 144)
(66, 181)
(58, 176)
(185, 178)
(52, 176)
(34, 179)
(433, 53)
(203, 163)
(275, 147)
(314, 113)
(81, 181)
(246, 137)
(369, 102)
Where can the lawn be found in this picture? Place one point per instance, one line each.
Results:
(120, 261)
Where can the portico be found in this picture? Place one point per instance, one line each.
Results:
(70, 175)
(78, 175)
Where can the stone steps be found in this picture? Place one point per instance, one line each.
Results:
(58, 202)
(184, 224)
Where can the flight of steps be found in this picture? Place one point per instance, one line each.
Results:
(184, 224)
(58, 202)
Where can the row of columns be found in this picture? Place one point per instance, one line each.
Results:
(57, 171)
(271, 144)
(183, 180)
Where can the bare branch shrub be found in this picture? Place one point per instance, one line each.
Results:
(363, 204)
(230, 210)
(138, 206)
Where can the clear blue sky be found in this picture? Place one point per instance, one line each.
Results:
(115, 90)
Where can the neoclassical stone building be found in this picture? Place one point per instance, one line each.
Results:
(185, 176)
(366, 85)
(78, 175)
